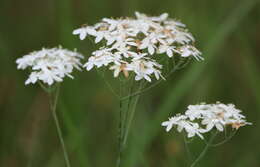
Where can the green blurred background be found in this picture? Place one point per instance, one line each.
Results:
(227, 33)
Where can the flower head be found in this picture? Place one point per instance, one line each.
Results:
(203, 118)
(145, 37)
(50, 65)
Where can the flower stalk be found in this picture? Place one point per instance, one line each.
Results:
(54, 95)
(204, 151)
(130, 116)
(126, 113)
(120, 127)
(48, 68)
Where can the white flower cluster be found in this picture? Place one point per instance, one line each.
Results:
(131, 43)
(50, 65)
(202, 118)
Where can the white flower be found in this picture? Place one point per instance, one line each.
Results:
(126, 38)
(202, 118)
(213, 122)
(181, 122)
(84, 31)
(174, 121)
(193, 129)
(112, 22)
(50, 65)
(120, 66)
(101, 58)
(161, 18)
(169, 50)
(189, 50)
(194, 112)
(143, 68)
(124, 51)
(124, 44)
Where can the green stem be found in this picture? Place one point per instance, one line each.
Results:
(102, 75)
(46, 89)
(53, 102)
(129, 101)
(224, 141)
(204, 150)
(187, 149)
(131, 116)
(177, 67)
(120, 133)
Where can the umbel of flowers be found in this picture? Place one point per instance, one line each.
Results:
(202, 118)
(50, 65)
(136, 44)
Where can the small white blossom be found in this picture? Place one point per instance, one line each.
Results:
(84, 31)
(187, 51)
(101, 57)
(202, 118)
(50, 65)
(143, 68)
(120, 67)
(161, 18)
(181, 122)
(174, 121)
(169, 50)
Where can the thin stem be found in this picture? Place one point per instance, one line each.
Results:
(131, 88)
(177, 67)
(46, 89)
(91, 40)
(187, 148)
(107, 83)
(123, 115)
(131, 116)
(120, 127)
(204, 150)
(224, 141)
(53, 103)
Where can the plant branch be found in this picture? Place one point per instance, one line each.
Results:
(177, 67)
(224, 141)
(204, 150)
(120, 133)
(53, 102)
(131, 117)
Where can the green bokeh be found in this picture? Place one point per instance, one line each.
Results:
(227, 33)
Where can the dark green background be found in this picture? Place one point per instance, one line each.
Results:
(227, 33)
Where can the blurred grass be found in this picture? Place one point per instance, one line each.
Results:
(88, 109)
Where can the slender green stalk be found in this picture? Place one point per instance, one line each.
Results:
(187, 149)
(120, 133)
(102, 75)
(131, 116)
(129, 101)
(224, 141)
(204, 150)
(140, 91)
(53, 102)
(126, 117)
